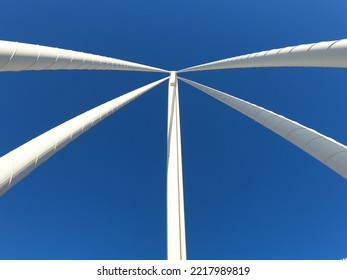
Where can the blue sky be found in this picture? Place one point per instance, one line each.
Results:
(249, 194)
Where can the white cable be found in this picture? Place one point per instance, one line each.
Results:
(327, 150)
(18, 163)
(16, 56)
(322, 54)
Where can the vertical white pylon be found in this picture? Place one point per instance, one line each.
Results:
(176, 240)
(325, 149)
(17, 164)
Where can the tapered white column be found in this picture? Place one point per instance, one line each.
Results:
(322, 54)
(18, 163)
(328, 151)
(16, 56)
(176, 240)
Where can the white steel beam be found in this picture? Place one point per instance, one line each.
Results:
(176, 240)
(16, 56)
(325, 149)
(18, 163)
(322, 54)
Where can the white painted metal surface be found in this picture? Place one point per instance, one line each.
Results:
(176, 240)
(16, 56)
(322, 54)
(18, 163)
(330, 152)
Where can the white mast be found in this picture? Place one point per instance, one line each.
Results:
(328, 151)
(16, 56)
(322, 54)
(18, 163)
(176, 240)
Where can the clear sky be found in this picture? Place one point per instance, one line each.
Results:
(249, 194)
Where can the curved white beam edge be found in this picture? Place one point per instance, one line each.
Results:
(322, 54)
(17, 164)
(15, 56)
(325, 149)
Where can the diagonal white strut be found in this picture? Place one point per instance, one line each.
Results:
(15, 56)
(325, 149)
(18, 163)
(322, 54)
(176, 240)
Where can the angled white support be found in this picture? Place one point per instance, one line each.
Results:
(18, 163)
(328, 151)
(176, 240)
(322, 54)
(16, 56)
